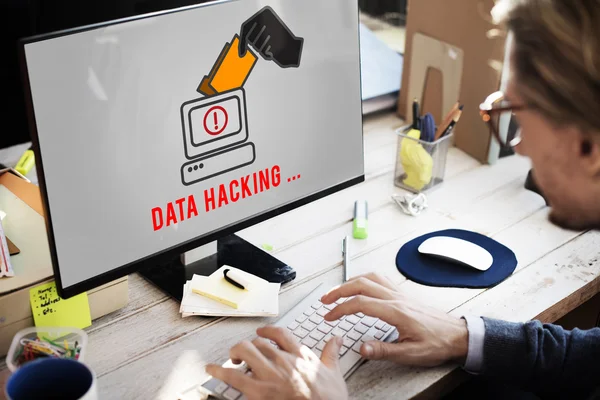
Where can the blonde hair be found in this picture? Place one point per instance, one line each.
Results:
(556, 57)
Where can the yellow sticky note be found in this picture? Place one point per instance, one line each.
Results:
(50, 310)
(231, 71)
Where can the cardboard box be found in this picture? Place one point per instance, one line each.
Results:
(464, 24)
(25, 226)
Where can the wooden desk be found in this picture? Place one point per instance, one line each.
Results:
(148, 351)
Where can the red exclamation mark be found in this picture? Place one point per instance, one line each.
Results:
(216, 121)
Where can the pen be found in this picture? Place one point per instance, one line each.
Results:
(446, 121)
(345, 254)
(415, 114)
(454, 121)
(236, 279)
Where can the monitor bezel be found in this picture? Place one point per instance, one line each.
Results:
(173, 251)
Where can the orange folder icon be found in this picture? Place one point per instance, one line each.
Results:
(230, 71)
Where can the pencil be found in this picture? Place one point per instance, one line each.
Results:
(452, 123)
(446, 121)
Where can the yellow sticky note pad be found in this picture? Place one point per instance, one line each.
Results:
(218, 289)
(50, 310)
(231, 71)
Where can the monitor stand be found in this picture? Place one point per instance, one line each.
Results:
(230, 250)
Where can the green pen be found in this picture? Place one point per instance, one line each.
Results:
(360, 224)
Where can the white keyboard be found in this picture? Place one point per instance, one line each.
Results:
(306, 323)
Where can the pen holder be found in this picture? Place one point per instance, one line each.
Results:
(420, 165)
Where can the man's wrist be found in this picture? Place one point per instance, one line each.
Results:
(460, 342)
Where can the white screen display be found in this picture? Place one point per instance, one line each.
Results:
(159, 130)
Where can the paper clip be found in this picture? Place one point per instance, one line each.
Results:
(411, 205)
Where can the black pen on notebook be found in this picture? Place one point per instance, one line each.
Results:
(236, 279)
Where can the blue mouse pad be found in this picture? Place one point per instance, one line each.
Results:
(431, 271)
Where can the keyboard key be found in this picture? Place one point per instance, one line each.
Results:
(353, 319)
(231, 394)
(243, 398)
(354, 335)
(338, 332)
(317, 305)
(323, 327)
(322, 311)
(327, 337)
(340, 300)
(345, 326)
(357, 347)
(330, 306)
(360, 315)
(221, 387)
(309, 312)
(309, 342)
(361, 328)
(293, 325)
(316, 319)
(368, 321)
(370, 335)
(343, 350)
(379, 335)
(301, 332)
(333, 323)
(317, 352)
(348, 342)
(321, 345)
(379, 324)
(309, 326)
(318, 335)
(386, 327)
(301, 318)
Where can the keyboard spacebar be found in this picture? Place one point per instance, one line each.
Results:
(349, 360)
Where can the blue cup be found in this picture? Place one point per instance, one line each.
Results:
(52, 378)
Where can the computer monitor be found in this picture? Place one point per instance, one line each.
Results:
(158, 134)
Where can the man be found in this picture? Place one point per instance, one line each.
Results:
(554, 93)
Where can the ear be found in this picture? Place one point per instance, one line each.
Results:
(589, 153)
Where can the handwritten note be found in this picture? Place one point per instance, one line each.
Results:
(50, 310)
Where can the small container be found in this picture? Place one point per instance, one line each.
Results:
(39, 342)
(420, 165)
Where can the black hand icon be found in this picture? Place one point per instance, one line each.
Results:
(271, 38)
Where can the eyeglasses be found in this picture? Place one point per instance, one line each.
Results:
(496, 110)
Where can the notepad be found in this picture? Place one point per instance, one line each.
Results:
(262, 300)
(49, 309)
(218, 289)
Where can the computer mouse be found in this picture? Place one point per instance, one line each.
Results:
(458, 251)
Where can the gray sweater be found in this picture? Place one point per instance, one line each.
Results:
(541, 358)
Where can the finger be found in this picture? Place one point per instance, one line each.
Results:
(377, 308)
(264, 43)
(256, 361)
(233, 377)
(401, 353)
(360, 286)
(284, 339)
(270, 351)
(378, 278)
(247, 28)
(330, 356)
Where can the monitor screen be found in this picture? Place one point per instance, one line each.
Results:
(160, 133)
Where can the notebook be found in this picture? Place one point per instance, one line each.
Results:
(200, 293)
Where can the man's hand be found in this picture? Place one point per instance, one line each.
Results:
(271, 38)
(291, 372)
(427, 337)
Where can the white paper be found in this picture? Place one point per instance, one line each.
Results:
(5, 265)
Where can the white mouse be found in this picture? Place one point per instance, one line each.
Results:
(457, 250)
